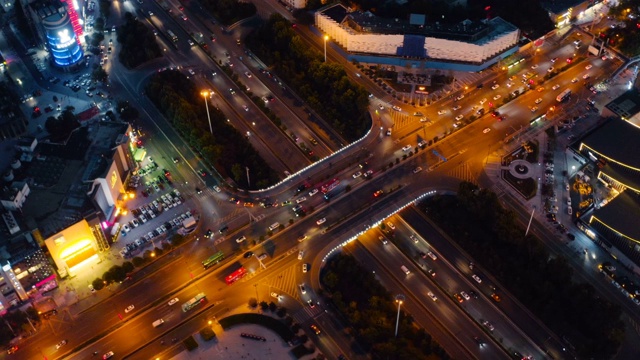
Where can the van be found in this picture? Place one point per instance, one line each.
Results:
(405, 270)
(157, 323)
(389, 132)
(274, 226)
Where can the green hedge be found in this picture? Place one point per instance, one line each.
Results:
(266, 321)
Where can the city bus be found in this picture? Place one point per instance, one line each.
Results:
(235, 276)
(172, 36)
(330, 186)
(564, 95)
(213, 260)
(197, 300)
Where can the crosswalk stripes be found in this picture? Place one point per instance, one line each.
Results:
(306, 313)
(463, 172)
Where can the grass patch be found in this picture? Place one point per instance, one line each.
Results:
(526, 187)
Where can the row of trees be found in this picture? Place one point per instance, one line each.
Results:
(626, 37)
(324, 86)
(15, 322)
(181, 102)
(230, 11)
(539, 280)
(370, 309)
(60, 127)
(138, 44)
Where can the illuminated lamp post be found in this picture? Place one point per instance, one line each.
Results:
(206, 94)
(326, 37)
(399, 300)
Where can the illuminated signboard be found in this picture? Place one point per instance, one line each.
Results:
(64, 39)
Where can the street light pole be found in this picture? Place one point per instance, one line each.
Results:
(325, 47)
(206, 94)
(399, 300)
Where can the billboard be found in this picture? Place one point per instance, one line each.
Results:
(62, 41)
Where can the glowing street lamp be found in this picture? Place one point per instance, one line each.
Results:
(399, 300)
(206, 94)
(326, 37)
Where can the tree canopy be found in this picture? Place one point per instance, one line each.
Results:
(60, 127)
(371, 311)
(540, 281)
(324, 86)
(138, 44)
(229, 11)
(181, 102)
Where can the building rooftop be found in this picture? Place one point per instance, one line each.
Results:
(622, 214)
(560, 6)
(617, 140)
(626, 105)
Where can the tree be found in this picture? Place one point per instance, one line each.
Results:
(237, 172)
(99, 75)
(97, 284)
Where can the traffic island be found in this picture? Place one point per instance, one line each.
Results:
(519, 170)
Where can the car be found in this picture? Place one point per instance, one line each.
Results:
(301, 200)
(275, 295)
(129, 309)
(247, 74)
(586, 76)
(368, 173)
(406, 148)
(441, 112)
(458, 297)
(113, 28)
(108, 355)
(383, 239)
(315, 329)
(173, 301)
(313, 192)
(555, 87)
(248, 254)
(538, 100)
(459, 117)
(390, 225)
(497, 97)
(456, 108)
(381, 107)
(417, 170)
(486, 130)
(245, 107)
(378, 193)
(321, 221)
(534, 109)
(61, 344)
(190, 42)
(494, 87)
(216, 188)
(483, 101)
(396, 108)
(488, 325)
(12, 350)
(305, 267)
(357, 175)
(241, 239)
(479, 341)
(460, 97)
(432, 255)
(465, 295)
(262, 256)
(495, 297)
(303, 290)
(184, 17)
(135, 223)
(476, 278)
(550, 70)
(574, 80)
(473, 294)
(588, 67)
(432, 296)
(534, 66)
(302, 238)
(150, 13)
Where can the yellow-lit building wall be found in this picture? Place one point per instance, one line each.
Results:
(72, 248)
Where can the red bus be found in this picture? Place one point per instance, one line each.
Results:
(330, 186)
(235, 276)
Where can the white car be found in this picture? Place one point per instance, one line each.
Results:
(488, 325)
(216, 188)
(586, 76)
(457, 107)
(247, 74)
(191, 71)
(303, 290)
(173, 301)
(108, 355)
(441, 112)
(495, 87)
(534, 66)
(381, 107)
(357, 175)
(509, 84)
(275, 295)
(302, 199)
(465, 295)
(135, 223)
(497, 97)
(417, 170)
(483, 101)
(555, 87)
(460, 97)
(588, 67)
(313, 192)
(432, 255)
(321, 221)
(245, 107)
(534, 109)
(129, 309)
(150, 13)
(390, 225)
(414, 238)
(406, 148)
(574, 80)
(396, 108)
(432, 296)
(304, 268)
(476, 278)
(300, 254)
(486, 130)
(459, 117)
(550, 70)
(191, 43)
(538, 100)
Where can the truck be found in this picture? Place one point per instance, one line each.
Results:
(198, 37)
(189, 223)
